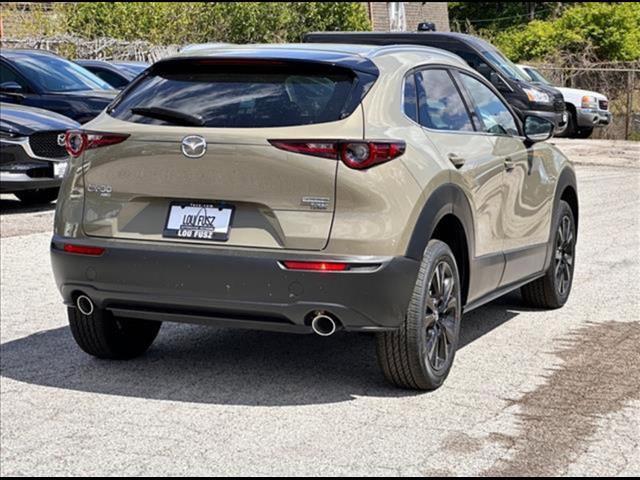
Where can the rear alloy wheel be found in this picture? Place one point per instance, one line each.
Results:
(420, 353)
(552, 290)
(37, 197)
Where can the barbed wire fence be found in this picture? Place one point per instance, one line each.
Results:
(100, 49)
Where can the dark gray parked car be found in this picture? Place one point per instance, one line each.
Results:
(33, 159)
(117, 74)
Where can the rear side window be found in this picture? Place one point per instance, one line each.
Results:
(439, 103)
(411, 98)
(111, 78)
(242, 96)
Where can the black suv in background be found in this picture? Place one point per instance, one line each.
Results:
(41, 79)
(524, 96)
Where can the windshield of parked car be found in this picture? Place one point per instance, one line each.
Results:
(505, 66)
(536, 76)
(55, 74)
(231, 96)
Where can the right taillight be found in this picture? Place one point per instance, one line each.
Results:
(355, 154)
(76, 142)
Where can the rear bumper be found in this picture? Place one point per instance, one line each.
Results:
(592, 117)
(234, 288)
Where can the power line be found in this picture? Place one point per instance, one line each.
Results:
(485, 20)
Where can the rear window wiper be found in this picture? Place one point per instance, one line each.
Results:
(169, 115)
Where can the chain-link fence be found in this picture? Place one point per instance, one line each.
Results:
(619, 81)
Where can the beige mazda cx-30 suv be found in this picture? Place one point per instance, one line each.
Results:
(311, 188)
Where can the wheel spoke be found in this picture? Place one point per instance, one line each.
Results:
(438, 279)
(449, 329)
(431, 304)
(452, 305)
(429, 320)
(432, 343)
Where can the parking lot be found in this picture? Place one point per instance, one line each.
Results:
(531, 392)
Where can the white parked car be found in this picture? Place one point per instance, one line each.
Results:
(586, 109)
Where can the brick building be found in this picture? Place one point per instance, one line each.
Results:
(405, 16)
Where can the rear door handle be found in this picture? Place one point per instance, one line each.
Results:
(508, 164)
(457, 160)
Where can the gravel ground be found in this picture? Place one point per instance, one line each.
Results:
(532, 392)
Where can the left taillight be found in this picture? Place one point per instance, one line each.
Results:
(76, 142)
(357, 154)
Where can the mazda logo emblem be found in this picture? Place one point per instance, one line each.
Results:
(194, 146)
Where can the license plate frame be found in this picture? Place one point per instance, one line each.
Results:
(207, 229)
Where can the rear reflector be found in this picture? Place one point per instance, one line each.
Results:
(354, 154)
(316, 266)
(83, 250)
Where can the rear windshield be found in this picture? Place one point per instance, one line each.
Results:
(237, 96)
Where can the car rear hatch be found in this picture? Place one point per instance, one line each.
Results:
(187, 154)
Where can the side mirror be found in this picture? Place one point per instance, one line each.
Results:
(537, 129)
(12, 88)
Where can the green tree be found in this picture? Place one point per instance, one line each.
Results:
(197, 22)
(610, 30)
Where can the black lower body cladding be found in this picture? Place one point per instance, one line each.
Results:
(233, 288)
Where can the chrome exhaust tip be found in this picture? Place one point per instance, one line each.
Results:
(84, 304)
(323, 325)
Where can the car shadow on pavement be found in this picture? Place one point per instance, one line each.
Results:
(10, 206)
(230, 367)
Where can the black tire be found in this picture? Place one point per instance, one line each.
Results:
(405, 356)
(584, 132)
(571, 127)
(104, 336)
(37, 197)
(553, 289)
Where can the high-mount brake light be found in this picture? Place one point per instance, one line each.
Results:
(76, 142)
(355, 154)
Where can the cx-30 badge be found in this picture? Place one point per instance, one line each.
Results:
(194, 146)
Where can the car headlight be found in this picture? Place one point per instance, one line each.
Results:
(537, 96)
(589, 102)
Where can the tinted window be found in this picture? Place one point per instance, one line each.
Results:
(411, 98)
(536, 76)
(55, 74)
(8, 76)
(111, 78)
(239, 96)
(132, 69)
(504, 65)
(494, 114)
(439, 103)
